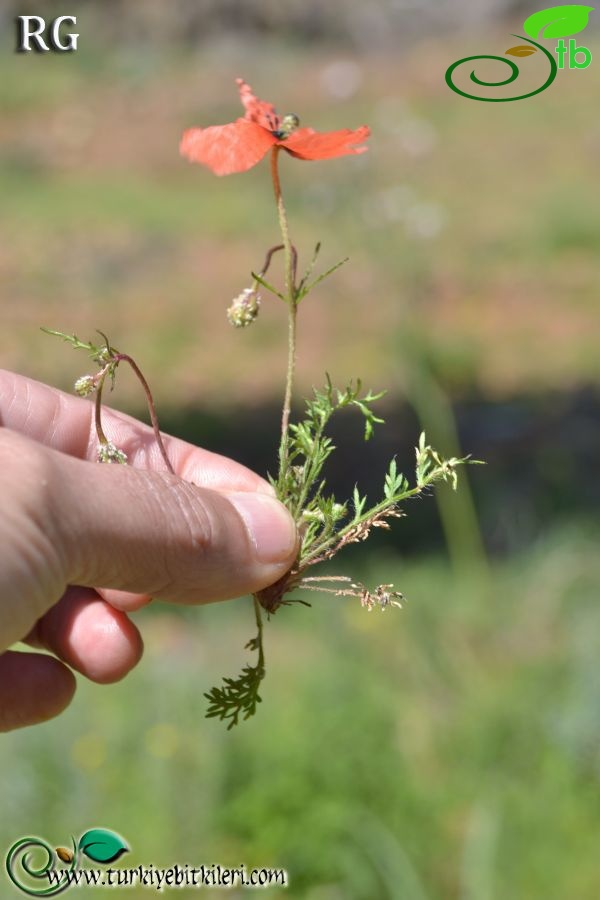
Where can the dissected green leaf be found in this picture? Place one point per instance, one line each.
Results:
(101, 355)
(358, 503)
(305, 288)
(309, 270)
(395, 482)
(237, 697)
(267, 285)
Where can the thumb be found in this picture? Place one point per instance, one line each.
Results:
(146, 532)
(154, 533)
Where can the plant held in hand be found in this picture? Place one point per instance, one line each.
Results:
(325, 524)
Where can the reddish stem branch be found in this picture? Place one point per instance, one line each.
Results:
(275, 249)
(102, 439)
(151, 408)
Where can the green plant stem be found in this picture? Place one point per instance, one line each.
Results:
(290, 290)
(311, 474)
(318, 550)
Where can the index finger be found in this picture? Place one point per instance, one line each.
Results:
(66, 423)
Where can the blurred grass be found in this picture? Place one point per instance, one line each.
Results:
(472, 227)
(449, 750)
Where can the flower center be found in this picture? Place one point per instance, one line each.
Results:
(288, 123)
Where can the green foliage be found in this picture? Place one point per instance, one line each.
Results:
(104, 355)
(238, 696)
(395, 482)
(327, 526)
(100, 354)
(465, 740)
(305, 286)
(309, 448)
(303, 490)
(431, 467)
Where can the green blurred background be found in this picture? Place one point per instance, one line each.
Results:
(450, 750)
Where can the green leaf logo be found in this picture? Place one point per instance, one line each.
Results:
(102, 845)
(557, 21)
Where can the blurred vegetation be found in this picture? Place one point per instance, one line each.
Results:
(449, 750)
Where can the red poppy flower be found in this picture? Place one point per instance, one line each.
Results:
(242, 144)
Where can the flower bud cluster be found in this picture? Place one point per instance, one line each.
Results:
(85, 385)
(108, 453)
(244, 309)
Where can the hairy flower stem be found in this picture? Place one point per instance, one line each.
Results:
(269, 256)
(115, 359)
(290, 290)
(102, 439)
(151, 408)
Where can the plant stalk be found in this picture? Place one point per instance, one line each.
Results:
(259, 625)
(102, 439)
(290, 290)
(151, 408)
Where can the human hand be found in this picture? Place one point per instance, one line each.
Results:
(81, 544)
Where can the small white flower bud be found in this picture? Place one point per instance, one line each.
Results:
(85, 385)
(105, 355)
(244, 309)
(108, 453)
(313, 515)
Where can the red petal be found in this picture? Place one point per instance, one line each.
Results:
(227, 148)
(306, 143)
(257, 110)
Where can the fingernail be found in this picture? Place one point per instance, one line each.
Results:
(270, 526)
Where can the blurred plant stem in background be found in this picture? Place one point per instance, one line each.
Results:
(433, 407)
(480, 851)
